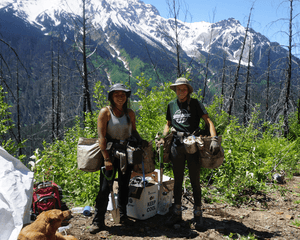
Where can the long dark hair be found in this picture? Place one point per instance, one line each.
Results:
(124, 107)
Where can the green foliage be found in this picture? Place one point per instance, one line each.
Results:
(58, 161)
(5, 120)
(151, 115)
(218, 116)
(252, 153)
(100, 95)
(294, 126)
(251, 156)
(251, 236)
(296, 223)
(6, 124)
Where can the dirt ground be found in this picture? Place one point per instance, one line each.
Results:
(270, 217)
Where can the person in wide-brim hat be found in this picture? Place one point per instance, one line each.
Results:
(181, 81)
(183, 115)
(116, 124)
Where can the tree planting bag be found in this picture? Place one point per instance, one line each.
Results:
(168, 139)
(206, 158)
(148, 160)
(89, 156)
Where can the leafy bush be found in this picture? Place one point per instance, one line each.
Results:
(6, 125)
(252, 153)
(58, 161)
(251, 157)
(151, 114)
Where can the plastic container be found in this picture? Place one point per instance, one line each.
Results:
(190, 144)
(64, 228)
(77, 210)
(143, 206)
(164, 203)
(87, 211)
(130, 156)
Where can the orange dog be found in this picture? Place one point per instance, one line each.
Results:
(45, 227)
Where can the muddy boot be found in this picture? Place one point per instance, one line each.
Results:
(97, 225)
(95, 228)
(198, 220)
(124, 220)
(176, 216)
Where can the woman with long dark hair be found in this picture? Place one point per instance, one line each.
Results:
(116, 123)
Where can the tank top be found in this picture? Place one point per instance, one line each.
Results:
(118, 128)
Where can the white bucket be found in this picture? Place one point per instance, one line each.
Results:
(190, 144)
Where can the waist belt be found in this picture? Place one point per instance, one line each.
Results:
(180, 136)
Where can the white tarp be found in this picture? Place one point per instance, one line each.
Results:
(16, 187)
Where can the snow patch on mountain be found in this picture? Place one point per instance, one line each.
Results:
(142, 19)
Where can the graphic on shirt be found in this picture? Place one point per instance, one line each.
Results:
(181, 115)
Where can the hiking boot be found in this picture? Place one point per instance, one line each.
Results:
(124, 220)
(176, 216)
(198, 220)
(96, 228)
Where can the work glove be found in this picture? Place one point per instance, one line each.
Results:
(214, 146)
(159, 139)
(144, 143)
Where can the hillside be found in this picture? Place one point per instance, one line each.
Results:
(123, 40)
(269, 216)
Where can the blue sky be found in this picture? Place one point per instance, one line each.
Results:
(264, 13)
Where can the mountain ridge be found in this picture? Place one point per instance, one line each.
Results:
(131, 37)
(136, 16)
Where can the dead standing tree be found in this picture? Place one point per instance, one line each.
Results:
(223, 78)
(289, 74)
(236, 76)
(211, 35)
(83, 30)
(247, 94)
(16, 98)
(171, 32)
(285, 96)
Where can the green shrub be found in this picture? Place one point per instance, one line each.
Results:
(252, 153)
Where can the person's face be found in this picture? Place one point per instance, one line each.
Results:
(119, 98)
(182, 92)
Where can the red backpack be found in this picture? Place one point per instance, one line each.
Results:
(46, 196)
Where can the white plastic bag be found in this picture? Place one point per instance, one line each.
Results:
(16, 187)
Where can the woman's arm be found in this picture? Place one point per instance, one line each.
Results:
(210, 125)
(214, 145)
(167, 128)
(103, 118)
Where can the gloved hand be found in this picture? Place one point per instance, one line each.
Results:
(214, 146)
(144, 143)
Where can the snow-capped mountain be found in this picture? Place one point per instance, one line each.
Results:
(134, 16)
(129, 37)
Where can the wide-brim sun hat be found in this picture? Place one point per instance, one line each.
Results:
(181, 81)
(119, 87)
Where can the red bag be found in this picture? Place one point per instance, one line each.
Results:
(45, 197)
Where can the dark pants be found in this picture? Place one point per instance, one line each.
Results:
(178, 158)
(102, 197)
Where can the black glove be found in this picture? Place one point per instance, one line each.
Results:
(144, 143)
(214, 146)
